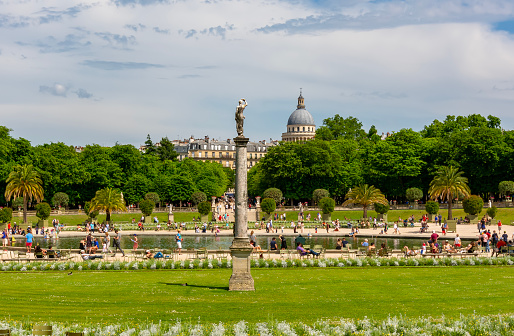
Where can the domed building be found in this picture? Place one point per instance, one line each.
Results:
(300, 125)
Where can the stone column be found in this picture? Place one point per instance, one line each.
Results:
(171, 216)
(241, 279)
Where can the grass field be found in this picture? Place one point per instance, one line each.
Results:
(506, 215)
(281, 294)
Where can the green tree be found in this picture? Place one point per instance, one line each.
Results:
(327, 205)
(91, 214)
(318, 194)
(146, 206)
(108, 200)
(432, 207)
(365, 196)
(5, 215)
(381, 208)
(204, 208)
(24, 181)
(166, 150)
(198, 197)
(413, 194)
(60, 199)
(339, 127)
(43, 210)
(492, 211)
(506, 188)
(154, 197)
(268, 205)
(473, 204)
(181, 188)
(150, 148)
(447, 184)
(273, 193)
(136, 188)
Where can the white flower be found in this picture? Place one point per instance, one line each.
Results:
(218, 330)
(263, 329)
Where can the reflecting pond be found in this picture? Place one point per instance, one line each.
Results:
(213, 243)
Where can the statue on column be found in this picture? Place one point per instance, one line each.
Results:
(240, 117)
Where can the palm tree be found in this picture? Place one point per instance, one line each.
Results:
(365, 196)
(447, 184)
(108, 199)
(24, 182)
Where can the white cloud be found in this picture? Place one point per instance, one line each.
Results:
(390, 63)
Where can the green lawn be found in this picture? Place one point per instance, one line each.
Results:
(282, 294)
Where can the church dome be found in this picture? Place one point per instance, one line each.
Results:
(300, 117)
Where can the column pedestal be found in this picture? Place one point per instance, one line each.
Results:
(241, 279)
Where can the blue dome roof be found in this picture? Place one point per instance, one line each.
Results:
(300, 117)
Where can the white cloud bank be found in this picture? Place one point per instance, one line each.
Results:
(178, 68)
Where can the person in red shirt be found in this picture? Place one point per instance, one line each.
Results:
(434, 236)
(499, 246)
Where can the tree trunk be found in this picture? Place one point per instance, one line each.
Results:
(365, 214)
(450, 214)
(107, 215)
(25, 201)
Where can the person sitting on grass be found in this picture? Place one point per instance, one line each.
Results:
(304, 252)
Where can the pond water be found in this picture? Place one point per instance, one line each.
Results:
(214, 243)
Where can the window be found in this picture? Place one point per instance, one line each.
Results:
(304, 129)
(213, 154)
(250, 155)
(298, 129)
(199, 154)
(221, 154)
(206, 154)
(193, 154)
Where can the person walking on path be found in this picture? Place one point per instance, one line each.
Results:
(179, 239)
(116, 242)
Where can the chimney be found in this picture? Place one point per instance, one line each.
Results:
(206, 138)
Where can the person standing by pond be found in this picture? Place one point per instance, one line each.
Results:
(179, 239)
(136, 242)
(29, 238)
(283, 242)
(116, 242)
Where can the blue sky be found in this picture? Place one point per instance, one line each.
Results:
(86, 72)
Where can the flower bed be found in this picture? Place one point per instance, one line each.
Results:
(465, 326)
(259, 263)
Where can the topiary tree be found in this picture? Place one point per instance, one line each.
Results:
(506, 188)
(204, 208)
(90, 214)
(60, 199)
(5, 215)
(473, 205)
(17, 202)
(318, 194)
(146, 206)
(153, 196)
(198, 197)
(273, 193)
(327, 205)
(413, 194)
(492, 211)
(381, 208)
(432, 207)
(268, 205)
(43, 210)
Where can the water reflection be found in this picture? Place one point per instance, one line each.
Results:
(222, 242)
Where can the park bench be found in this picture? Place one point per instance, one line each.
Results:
(5, 332)
(202, 253)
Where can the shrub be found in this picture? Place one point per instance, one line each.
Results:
(268, 205)
(43, 210)
(473, 204)
(381, 208)
(506, 188)
(327, 205)
(153, 196)
(5, 215)
(432, 207)
(319, 194)
(491, 212)
(413, 194)
(204, 208)
(198, 197)
(60, 199)
(273, 193)
(89, 213)
(146, 206)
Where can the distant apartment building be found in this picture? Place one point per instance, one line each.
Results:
(221, 151)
